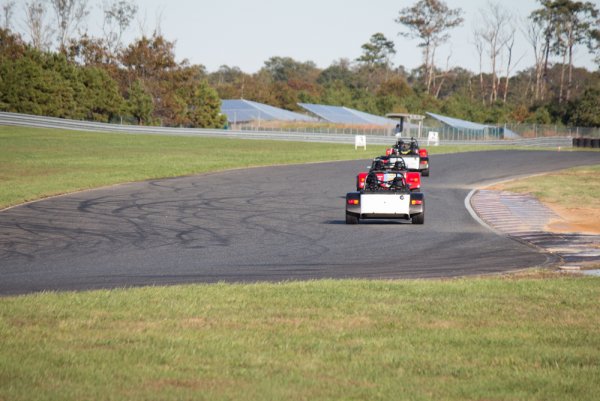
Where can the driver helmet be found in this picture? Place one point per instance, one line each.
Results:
(405, 148)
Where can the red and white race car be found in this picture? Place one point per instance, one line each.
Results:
(391, 199)
(415, 158)
(386, 167)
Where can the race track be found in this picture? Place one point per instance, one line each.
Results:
(278, 223)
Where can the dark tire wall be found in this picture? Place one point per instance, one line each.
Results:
(586, 143)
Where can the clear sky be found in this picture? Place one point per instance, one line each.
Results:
(246, 33)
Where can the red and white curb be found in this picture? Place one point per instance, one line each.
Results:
(523, 217)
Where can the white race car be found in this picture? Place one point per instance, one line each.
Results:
(392, 199)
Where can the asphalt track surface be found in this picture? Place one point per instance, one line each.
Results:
(262, 224)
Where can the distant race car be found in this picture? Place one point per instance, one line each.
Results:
(385, 167)
(415, 158)
(390, 199)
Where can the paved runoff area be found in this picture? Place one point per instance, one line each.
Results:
(524, 218)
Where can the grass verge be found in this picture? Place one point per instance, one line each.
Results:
(573, 186)
(476, 339)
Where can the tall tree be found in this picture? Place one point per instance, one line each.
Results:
(535, 32)
(205, 108)
(429, 21)
(118, 15)
(149, 57)
(378, 51)
(152, 61)
(567, 24)
(594, 43)
(509, 46)
(40, 30)
(480, 47)
(493, 30)
(70, 17)
(8, 9)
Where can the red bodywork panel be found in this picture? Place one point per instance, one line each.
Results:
(413, 179)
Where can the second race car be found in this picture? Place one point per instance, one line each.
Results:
(385, 167)
(415, 158)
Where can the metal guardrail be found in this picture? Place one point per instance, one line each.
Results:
(26, 120)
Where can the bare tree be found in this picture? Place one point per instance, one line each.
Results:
(142, 23)
(8, 8)
(509, 45)
(118, 15)
(492, 30)
(580, 18)
(566, 23)
(535, 34)
(429, 21)
(40, 31)
(443, 75)
(70, 17)
(479, 46)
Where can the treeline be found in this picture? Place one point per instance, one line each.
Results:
(73, 75)
(284, 82)
(142, 84)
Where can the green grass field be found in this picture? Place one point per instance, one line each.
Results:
(574, 186)
(524, 338)
(529, 336)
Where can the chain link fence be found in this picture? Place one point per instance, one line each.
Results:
(447, 133)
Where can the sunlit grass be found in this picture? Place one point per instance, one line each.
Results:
(578, 186)
(502, 338)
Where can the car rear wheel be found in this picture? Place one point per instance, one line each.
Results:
(418, 218)
(351, 219)
(425, 173)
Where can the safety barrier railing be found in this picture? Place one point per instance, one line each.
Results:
(346, 136)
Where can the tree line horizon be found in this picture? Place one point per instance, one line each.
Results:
(61, 71)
